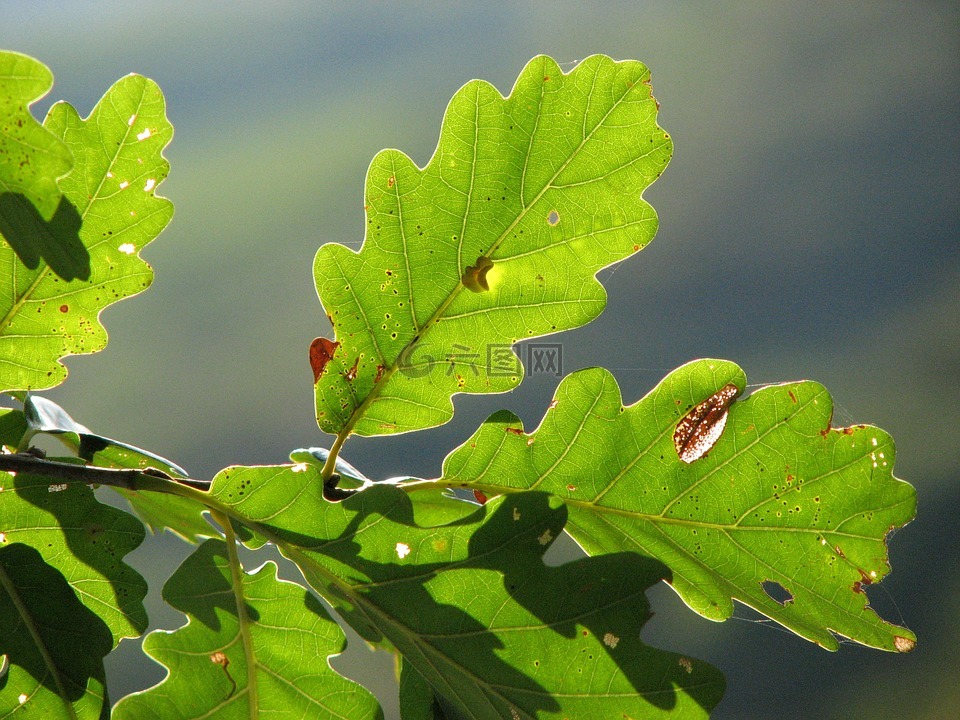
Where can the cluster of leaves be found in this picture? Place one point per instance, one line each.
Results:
(498, 239)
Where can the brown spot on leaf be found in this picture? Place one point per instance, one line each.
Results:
(514, 431)
(219, 658)
(475, 276)
(351, 374)
(903, 644)
(64, 308)
(380, 371)
(792, 396)
(698, 430)
(481, 498)
(391, 181)
(864, 581)
(321, 350)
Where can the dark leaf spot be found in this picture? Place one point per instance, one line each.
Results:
(321, 350)
(699, 429)
(475, 276)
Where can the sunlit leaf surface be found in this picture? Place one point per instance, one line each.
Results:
(259, 649)
(780, 511)
(471, 605)
(497, 239)
(111, 190)
(32, 159)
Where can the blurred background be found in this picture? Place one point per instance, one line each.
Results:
(809, 229)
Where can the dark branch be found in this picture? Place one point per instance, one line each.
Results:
(91, 475)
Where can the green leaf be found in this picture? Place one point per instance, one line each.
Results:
(35, 219)
(254, 646)
(32, 159)
(472, 607)
(112, 185)
(54, 646)
(780, 501)
(45, 416)
(497, 239)
(160, 511)
(84, 540)
(13, 426)
(417, 699)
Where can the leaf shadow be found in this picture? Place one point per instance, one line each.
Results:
(97, 535)
(590, 597)
(56, 241)
(74, 638)
(198, 587)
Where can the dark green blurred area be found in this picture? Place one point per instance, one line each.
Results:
(809, 228)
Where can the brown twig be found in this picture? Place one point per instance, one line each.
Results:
(128, 479)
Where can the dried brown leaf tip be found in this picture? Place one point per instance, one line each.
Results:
(903, 644)
(321, 350)
(699, 429)
(475, 276)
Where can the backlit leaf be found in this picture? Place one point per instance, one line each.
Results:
(54, 646)
(118, 165)
(13, 426)
(82, 539)
(497, 239)
(265, 658)
(782, 511)
(32, 159)
(160, 511)
(472, 607)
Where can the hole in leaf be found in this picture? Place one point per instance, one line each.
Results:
(777, 592)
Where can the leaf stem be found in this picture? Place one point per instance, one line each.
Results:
(330, 466)
(243, 618)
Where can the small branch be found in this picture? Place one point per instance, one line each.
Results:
(147, 479)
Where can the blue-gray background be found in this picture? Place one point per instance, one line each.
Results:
(809, 227)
